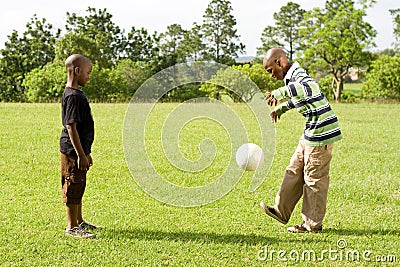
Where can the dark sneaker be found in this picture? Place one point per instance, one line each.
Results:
(89, 226)
(78, 232)
(299, 228)
(270, 211)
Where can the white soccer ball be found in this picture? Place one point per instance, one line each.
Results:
(249, 156)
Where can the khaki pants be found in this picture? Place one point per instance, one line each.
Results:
(307, 175)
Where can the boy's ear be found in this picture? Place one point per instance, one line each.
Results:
(278, 62)
(77, 70)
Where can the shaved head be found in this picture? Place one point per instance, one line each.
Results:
(78, 70)
(273, 54)
(276, 63)
(76, 60)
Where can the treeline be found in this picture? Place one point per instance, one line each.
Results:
(329, 42)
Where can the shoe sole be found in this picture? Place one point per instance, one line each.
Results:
(75, 236)
(266, 210)
(297, 231)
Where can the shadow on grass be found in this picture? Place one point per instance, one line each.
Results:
(200, 237)
(362, 232)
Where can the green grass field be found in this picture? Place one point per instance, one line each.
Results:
(362, 214)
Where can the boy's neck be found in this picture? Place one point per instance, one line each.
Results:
(72, 87)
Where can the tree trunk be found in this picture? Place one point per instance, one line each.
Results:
(339, 89)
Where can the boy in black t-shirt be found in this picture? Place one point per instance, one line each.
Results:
(75, 144)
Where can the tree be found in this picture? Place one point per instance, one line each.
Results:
(236, 86)
(22, 54)
(78, 43)
(46, 83)
(396, 26)
(338, 38)
(285, 34)
(141, 46)
(99, 27)
(219, 33)
(127, 77)
(169, 47)
(192, 44)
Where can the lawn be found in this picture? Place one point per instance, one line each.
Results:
(362, 215)
(353, 88)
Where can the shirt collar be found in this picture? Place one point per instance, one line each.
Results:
(289, 74)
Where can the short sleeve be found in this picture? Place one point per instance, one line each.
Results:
(71, 106)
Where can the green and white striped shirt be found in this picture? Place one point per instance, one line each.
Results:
(322, 126)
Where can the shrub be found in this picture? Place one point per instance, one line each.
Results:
(45, 84)
(325, 85)
(383, 79)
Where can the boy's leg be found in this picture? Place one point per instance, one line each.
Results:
(72, 213)
(291, 188)
(73, 182)
(79, 213)
(316, 177)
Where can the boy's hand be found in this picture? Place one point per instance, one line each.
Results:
(90, 160)
(83, 163)
(274, 117)
(271, 100)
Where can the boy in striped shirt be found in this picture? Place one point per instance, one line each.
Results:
(308, 172)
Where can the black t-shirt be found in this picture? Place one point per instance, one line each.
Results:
(75, 108)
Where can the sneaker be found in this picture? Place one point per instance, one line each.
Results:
(88, 226)
(299, 228)
(270, 211)
(78, 232)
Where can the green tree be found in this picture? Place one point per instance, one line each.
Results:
(169, 47)
(127, 77)
(78, 43)
(236, 86)
(285, 34)
(98, 26)
(141, 46)
(34, 49)
(220, 36)
(396, 26)
(192, 45)
(382, 81)
(45, 84)
(337, 38)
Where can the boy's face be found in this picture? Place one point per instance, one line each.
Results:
(275, 68)
(84, 73)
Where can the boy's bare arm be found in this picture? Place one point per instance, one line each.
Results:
(83, 162)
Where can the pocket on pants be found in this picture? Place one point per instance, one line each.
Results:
(73, 190)
(73, 180)
(318, 162)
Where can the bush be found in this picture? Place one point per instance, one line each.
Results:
(349, 97)
(325, 85)
(106, 85)
(383, 79)
(230, 79)
(45, 84)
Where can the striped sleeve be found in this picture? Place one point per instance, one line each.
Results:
(282, 108)
(295, 89)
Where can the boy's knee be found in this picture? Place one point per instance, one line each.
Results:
(72, 192)
(73, 181)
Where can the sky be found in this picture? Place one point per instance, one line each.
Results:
(252, 16)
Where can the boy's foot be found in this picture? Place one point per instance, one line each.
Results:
(270, 211)
(78, 232)
(299, 228)
(88, 226)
